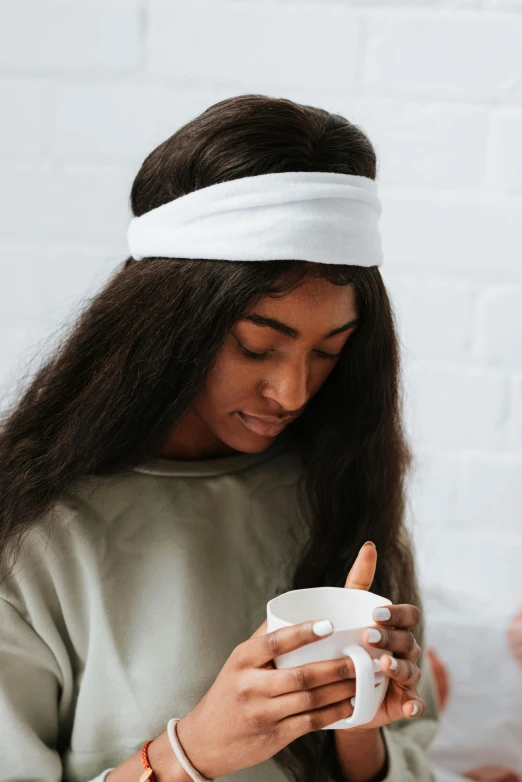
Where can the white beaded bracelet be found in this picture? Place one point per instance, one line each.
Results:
(178, 751)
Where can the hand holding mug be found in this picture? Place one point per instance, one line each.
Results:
(254, 710)
(393, 634)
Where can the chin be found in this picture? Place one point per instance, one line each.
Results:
(254, 444)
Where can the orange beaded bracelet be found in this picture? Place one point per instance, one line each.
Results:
(148, 774)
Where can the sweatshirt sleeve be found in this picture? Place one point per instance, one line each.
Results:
(407, 741)
(30, 688)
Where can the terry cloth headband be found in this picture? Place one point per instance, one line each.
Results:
(323, 217)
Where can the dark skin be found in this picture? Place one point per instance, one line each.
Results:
(281, 384)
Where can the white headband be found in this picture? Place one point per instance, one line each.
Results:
(323, 217)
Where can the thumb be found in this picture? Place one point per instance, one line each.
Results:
(362, 571)
(261, 630)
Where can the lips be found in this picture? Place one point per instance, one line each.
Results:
(267, 419)
(261, 426)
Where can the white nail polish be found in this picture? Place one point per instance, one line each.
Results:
(381, 614)
(374, 635)
(415, 709)
(352, 701)
(322, 627)
(393, 664)
(376, 666)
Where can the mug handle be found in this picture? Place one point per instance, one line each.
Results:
(366, 693)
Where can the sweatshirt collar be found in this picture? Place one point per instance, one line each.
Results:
(207, 467)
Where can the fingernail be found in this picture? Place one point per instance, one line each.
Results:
(352, 701)
(415, 709)
(374, 635)
(377, 668)
(370, 542)
(381, 614)
(322, 627)
(393, 664)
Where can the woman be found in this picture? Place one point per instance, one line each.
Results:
(148, 515)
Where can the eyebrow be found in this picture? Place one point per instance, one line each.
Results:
(289, 331)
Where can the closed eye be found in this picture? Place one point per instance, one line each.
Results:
(261, 356)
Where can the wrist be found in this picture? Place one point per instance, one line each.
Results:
(361, 754)
(357, 735)
(164, 761)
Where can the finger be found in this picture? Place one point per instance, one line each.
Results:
(310, 699)
(308, 721)
(263, 647)
(403, 615)
(413, 708)
(491, 774)
(401, 671)
(362, 572)
(415, 653)
(399, 642)
(308, 676)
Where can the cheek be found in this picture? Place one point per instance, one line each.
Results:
(227, 381)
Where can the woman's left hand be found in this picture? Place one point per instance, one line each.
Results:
(401, 699)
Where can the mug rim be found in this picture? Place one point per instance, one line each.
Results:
(386, 601)
(271, 603)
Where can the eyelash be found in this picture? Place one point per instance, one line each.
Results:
(261, 356)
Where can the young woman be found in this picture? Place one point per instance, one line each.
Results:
(149, 510)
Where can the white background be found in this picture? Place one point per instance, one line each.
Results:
(87, 89)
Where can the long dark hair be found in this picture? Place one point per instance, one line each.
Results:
(140, 350)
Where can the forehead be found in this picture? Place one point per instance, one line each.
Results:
(315, 301)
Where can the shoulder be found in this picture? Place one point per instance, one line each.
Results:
(59, 539)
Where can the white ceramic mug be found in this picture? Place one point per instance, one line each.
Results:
(350, 611)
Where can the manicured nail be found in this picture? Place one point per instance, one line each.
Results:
(377, 668)
(415, 709)
(352, 701)
(374, 635)
(368, 542)
(393, 664)
(381, 614)
(322, 627)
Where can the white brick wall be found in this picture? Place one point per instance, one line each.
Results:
(89, 88)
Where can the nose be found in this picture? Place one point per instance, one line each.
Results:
(288, 386)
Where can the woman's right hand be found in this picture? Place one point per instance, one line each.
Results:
(253, 709)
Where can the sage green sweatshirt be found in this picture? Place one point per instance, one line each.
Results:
(127, 599)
